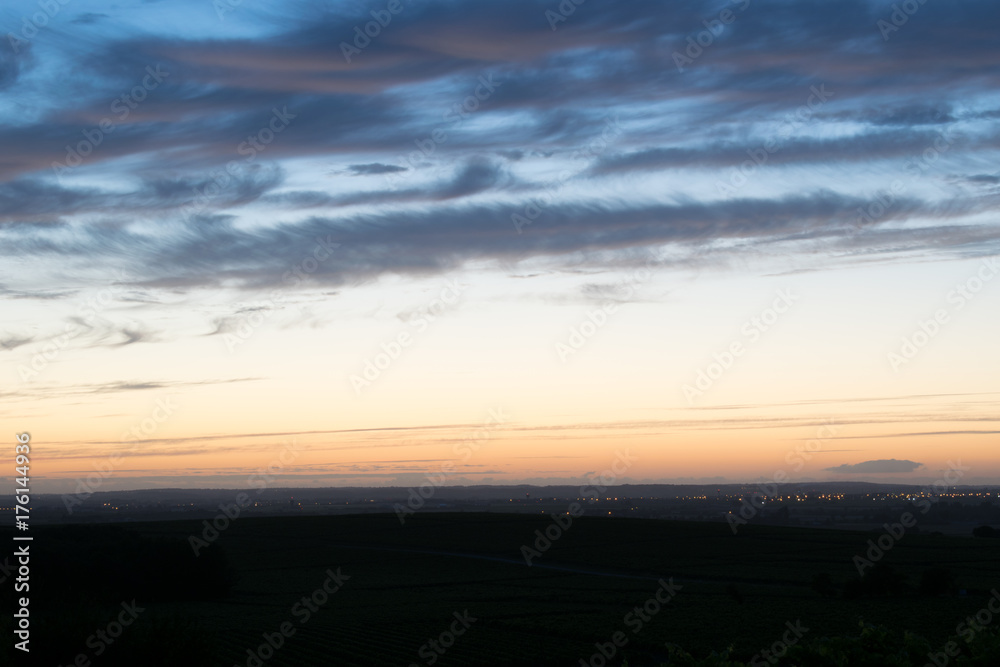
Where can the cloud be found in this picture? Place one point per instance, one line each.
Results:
(477, 111)
(46, 202)
(43, 295)
(375, 168)
(920, 434)
(914, 115)
(865, 146)
(984, 179)
(209, 250)
(14, 342)
(88, 18)
(36, 392)
(877, 466)
(223, 87)
(477, 175)
(15, 57)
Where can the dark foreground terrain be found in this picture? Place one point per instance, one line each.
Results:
(454, 589)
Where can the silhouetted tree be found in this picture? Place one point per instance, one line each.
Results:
(985, 531)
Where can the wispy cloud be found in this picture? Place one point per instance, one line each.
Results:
(397, 111)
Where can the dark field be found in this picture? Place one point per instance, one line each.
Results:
(402, 586)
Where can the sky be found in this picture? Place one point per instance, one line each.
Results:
(366, 243)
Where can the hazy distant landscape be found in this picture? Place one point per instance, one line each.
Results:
(851, 505)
